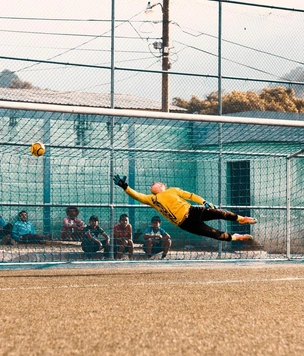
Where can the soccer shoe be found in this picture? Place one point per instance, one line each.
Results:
(239, 237)
(246, 220)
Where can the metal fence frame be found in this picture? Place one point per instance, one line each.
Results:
(112, 113)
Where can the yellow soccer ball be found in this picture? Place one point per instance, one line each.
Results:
(37, 149)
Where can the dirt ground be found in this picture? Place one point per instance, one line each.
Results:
(153, 309)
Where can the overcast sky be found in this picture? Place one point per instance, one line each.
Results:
(258, 43)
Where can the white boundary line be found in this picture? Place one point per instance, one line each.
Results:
(156, 262)
(163, 283)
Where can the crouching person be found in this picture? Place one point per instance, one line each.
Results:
(24, 232)
(6, 232)
(72, 226)
(156, 239)
(123, 242)
(95, 239)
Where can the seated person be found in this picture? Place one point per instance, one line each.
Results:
(72, 227)
(95, 239)
(6, 232)
(123, 237)
(156, 239)
(24, 231)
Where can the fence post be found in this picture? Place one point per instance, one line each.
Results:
(47, 176)
(288, 180)
(220, 112)
(288, 208)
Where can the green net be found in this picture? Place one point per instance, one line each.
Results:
(254, 170)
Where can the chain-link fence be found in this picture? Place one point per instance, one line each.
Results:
(145, 55)
(253, 169)
(199, 57)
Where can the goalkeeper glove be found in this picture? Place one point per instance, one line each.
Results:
(209, 205)
(121, 182)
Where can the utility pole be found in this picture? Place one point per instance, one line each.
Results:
(165, 51)
(165, 57)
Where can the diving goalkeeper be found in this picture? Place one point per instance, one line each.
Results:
(173, 205)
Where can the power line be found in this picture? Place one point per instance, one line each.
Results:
(154, 38)
(138, 71)
(131, 37)
(80, 49)
(240, 45)
(149, 71)
(76, 47)
(236, 62)
(69, 34)
(258, 5)
(64, 19)
(121, 80)
(139, 37)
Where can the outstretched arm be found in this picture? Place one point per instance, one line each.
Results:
(143, 198)
(121, 182)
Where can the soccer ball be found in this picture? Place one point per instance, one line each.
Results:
(37, 149)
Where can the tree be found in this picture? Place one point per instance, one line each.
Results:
(9, 79)
(278, 99)
(19, 84)
(6, 78)
(296, 75)
(196, 106)
(242, 101)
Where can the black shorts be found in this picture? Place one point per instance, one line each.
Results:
(89, 245)
(6, 230)
(195, 222)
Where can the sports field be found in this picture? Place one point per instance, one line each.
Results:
(211, 308)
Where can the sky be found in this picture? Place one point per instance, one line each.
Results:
(259, 43)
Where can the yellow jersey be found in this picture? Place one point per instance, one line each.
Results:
(172, 203)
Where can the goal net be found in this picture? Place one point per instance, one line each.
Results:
(252, 166)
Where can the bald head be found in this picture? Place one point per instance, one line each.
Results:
(157, 187)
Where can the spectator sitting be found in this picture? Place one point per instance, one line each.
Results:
(92, 242)
(6, 232)
(72, 227)
(156, 239)
(24, 231)
(123, 237)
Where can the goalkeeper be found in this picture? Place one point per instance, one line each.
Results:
(173, 205)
